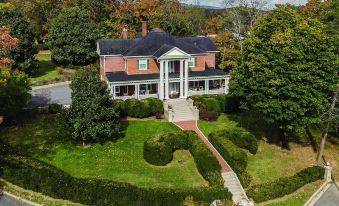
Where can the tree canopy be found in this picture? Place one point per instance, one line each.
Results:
(72, 37)
(288, 70)
(23, 54)
(93, 117)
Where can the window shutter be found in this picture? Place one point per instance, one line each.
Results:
(138, 66)
(147, 64)
(195, 61)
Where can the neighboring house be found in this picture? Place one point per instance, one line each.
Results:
(160, 65)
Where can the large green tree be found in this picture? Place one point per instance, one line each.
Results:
(72, 37)
(14, 88)
(288, 71)
(93, 117)
(23, 54)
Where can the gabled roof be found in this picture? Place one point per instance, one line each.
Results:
(155, 44)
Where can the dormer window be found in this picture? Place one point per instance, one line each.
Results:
(143, 64)
(192, 62)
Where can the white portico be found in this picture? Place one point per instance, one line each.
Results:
(166, 62)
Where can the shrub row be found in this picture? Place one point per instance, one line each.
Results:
(233, 155)
(241, 138)
(41, 177)
(286, 185)
(218, 103)
(140, 108)
(158, 150)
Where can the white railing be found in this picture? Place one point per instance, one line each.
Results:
(125, 97)
(217, 91)
(148, 96)
(192, 93)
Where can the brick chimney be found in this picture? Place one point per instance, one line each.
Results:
(144, 28)
(125, 33)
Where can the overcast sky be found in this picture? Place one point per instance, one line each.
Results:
(271, 3)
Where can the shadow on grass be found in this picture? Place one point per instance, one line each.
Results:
(254, 123)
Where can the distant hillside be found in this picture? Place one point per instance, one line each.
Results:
(203, 6)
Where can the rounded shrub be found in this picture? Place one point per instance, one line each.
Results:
(120, 106)
(156, 106)
(135, 108)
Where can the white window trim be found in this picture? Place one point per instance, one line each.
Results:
(139, 60)
(192, 62)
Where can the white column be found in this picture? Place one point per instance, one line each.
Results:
(207, 86)
(181, 79)
(136, 91)
(226, 85)
(113, 91)
(186, 78)
(166, 81)
(161, 86)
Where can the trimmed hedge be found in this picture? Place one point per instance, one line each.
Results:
(139, 108)
(241, 138)
(158, 150)
(222, 103)
(286, 185)
(233, 155)
(41, 177)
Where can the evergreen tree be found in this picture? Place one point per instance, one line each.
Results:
(72, 37)
(288, 71)
(93, 117)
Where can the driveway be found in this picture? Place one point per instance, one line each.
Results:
(51, 94)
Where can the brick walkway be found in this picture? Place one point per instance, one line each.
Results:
(192, 126)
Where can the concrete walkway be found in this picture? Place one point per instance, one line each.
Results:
(192, 126)
(11, 200)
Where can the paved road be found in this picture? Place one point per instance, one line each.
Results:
(59, 94)
(329, 198)
(9, 201)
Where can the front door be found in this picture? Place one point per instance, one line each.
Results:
(174, 88)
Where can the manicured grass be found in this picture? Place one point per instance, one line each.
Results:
(44, 138)
(299, 198)
(47, 70)
(270, 162)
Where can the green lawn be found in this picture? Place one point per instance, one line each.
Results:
(121, 160)
(46, 69)
(270, 162)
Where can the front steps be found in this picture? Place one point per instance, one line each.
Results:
(233, 185)
(179, 110)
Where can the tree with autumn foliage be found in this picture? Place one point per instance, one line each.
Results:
(14, 85)
(229, 53)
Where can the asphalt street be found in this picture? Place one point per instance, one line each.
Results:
(59, 94)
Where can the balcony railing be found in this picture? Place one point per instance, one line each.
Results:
(217, 91)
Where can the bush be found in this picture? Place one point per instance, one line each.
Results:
(241, 138)
(158, 150)
(215, 104)
(54, 108)
(233, 155)
(208, 116)
(286, 185)
(139, 108)
(41, 177)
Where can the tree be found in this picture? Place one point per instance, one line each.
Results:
(14, 87)
(7, 42)
(93, 117)
(288, 71)
(39, 13)
(24, 54)
(229, 54)
(72, 38)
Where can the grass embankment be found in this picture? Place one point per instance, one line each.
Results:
(43, 138)
(48, 72)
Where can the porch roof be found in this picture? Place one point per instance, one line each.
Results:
(124, 77)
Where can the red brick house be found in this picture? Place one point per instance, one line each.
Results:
(160, 65)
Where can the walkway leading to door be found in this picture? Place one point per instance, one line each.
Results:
(192, 126)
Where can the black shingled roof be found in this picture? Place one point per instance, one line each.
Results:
(155, 44)
(124, 77)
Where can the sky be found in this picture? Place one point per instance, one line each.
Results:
(270, 3)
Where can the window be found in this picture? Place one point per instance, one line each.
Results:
(117, 90)
(143, 64)
(145, 87)
(192, 62)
